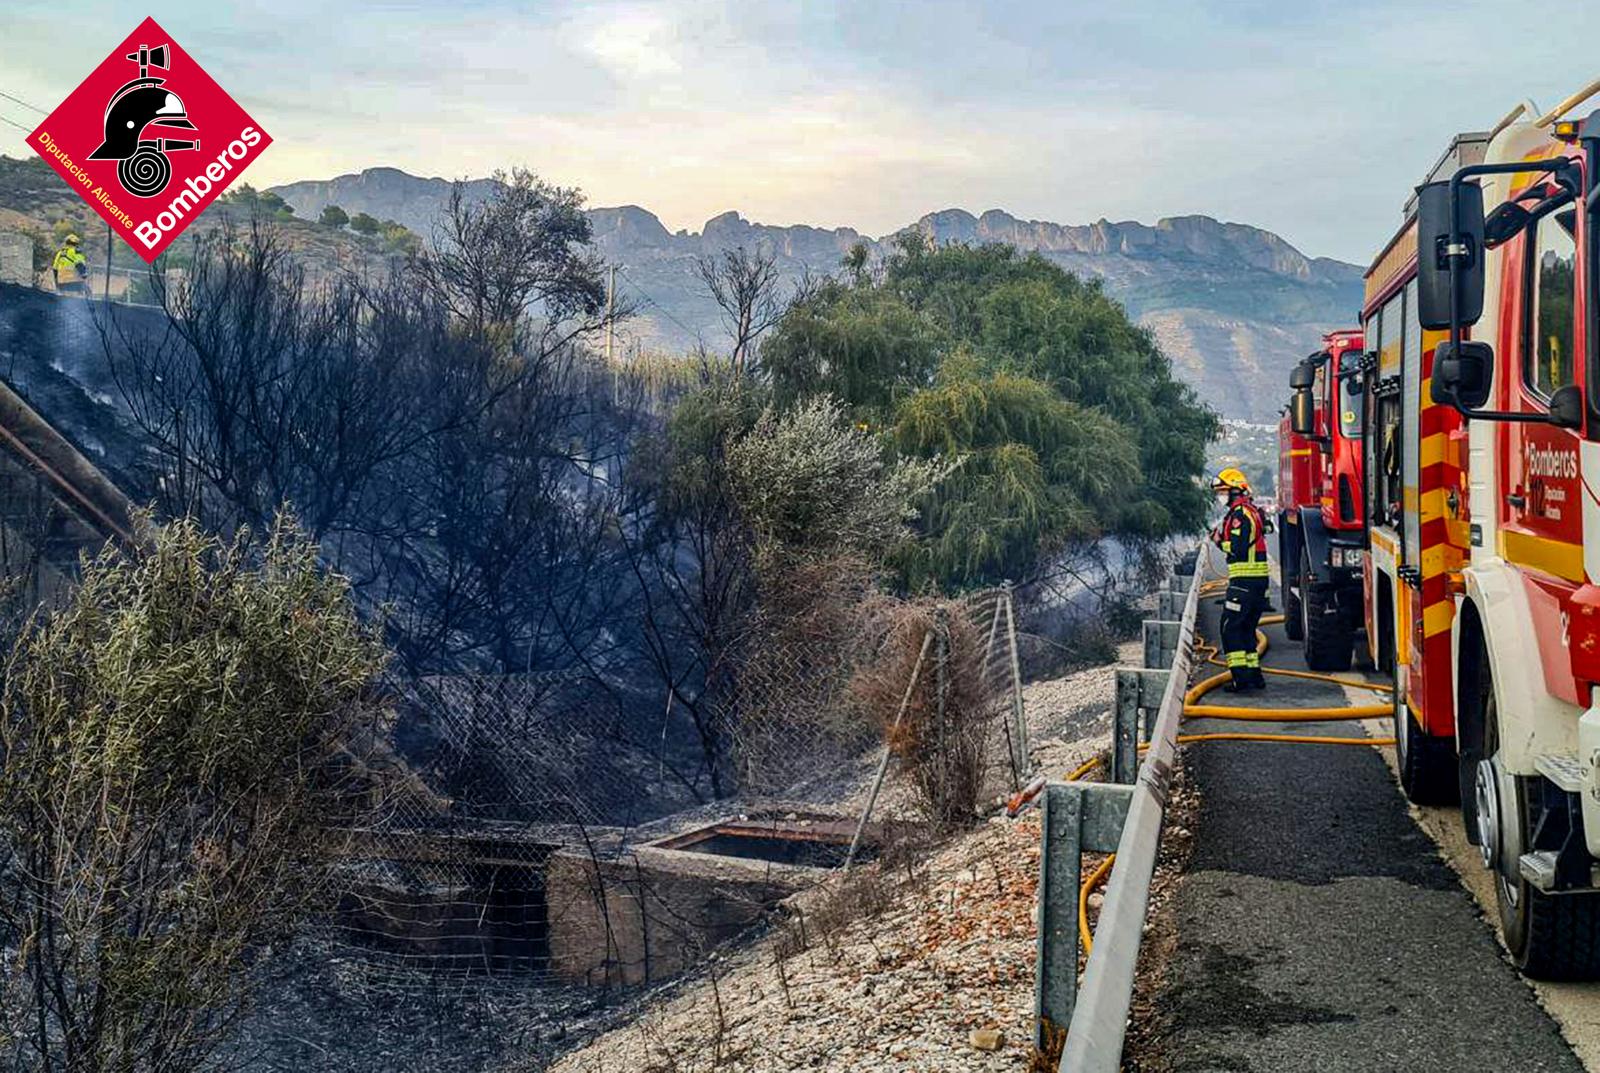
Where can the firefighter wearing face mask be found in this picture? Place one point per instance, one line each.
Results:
(1242, 536)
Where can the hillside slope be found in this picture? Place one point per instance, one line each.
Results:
(1233, 306)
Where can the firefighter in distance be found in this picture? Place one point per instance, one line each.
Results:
(70, 268)
(1242, 536)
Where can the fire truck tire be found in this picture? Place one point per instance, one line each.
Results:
(1329, 640)
(1427, 763)
(1555, 936)
(1549, 936)
(1294, 626)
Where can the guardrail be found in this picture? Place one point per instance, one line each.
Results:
(122, 286)
(1122, 816)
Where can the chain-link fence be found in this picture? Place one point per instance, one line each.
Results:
(552, 840)
(500, 774)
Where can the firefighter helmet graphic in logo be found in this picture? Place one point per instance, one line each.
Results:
(142, 164)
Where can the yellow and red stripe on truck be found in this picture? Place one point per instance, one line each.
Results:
(1422, 607)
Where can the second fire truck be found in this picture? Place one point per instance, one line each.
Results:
(1321, 536)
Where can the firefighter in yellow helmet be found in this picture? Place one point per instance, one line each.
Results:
(70, 268)
(1242, 536)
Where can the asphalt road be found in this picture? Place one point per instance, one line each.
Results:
(1317, 926)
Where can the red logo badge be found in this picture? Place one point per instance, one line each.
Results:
(149, 140)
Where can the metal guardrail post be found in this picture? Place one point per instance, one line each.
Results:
(1160, 642)
(1100, 1014)
(1125, 728)
(1152, 686)
(1078, 818)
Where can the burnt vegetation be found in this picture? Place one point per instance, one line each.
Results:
(562, 596)
(505, 503)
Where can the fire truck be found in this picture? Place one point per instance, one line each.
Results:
(1321, 532)
(1482, 422)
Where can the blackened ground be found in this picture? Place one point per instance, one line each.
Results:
(320, 1010)
(53, 354)
(1317, 926)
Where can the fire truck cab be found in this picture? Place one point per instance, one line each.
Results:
(1483, 389)
(1322, 537)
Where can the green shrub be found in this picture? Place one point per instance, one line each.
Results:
(181, 748)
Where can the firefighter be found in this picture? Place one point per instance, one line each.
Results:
(1242, 536)
(70, 269)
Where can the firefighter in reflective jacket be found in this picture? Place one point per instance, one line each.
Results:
(70, 268)
(1242, 536)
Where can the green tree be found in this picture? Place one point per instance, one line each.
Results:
(275, 204)
(180, 746)
(856, 262)
(1037, 472)
(1067, 414)
(398, 238)
(363, 224)
(807, 482)
(333, 216)
(860, 344)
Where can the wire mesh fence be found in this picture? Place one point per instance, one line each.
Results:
(555, 827)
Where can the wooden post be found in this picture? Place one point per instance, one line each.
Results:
(1017, 712)
(883, 765)
(611, 318)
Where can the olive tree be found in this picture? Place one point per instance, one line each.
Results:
(183, 743)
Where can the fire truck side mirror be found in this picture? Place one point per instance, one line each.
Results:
(1304, 374)
(1566, 407)
(1303, 412)
(1447, 233)
(1462, 377)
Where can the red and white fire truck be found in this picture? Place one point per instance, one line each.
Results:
(1321, 530)
(1482, 434)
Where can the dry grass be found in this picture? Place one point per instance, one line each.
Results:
(943, 739)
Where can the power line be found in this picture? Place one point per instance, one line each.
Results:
(14, 123)
(25, 104)
(664, 310)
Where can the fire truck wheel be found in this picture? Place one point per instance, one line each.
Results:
(1328, 638)
(1549, 936)
(1294, 626)
(1427, 763)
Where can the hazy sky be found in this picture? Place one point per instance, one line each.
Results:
(1311, 119)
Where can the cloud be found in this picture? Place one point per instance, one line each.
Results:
(1311, 119)
(633, 44)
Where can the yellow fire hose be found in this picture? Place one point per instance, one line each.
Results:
(1192, 709)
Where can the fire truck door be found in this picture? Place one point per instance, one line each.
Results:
(1542, 512)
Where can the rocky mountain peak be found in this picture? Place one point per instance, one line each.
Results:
(628, 224)
(1233, 305)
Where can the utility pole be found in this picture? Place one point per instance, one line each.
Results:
(611, 319)
(108, 261)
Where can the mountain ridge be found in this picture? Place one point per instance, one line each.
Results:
(1232, 304)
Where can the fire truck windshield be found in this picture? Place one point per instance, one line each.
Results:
(1349, 398)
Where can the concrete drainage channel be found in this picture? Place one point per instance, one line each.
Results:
(684, 886)
(1122, 816)
(813, 841)
(586, 906)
